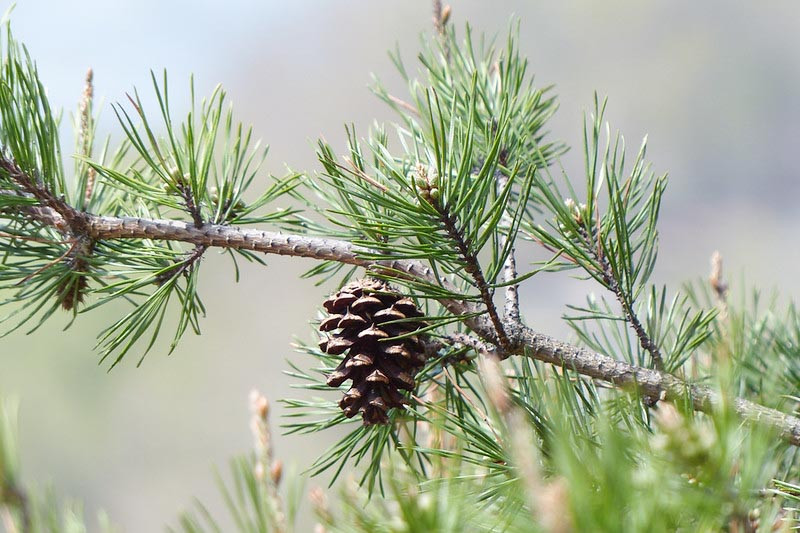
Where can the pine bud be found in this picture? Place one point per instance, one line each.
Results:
(445, 16)
(575, 210)
(276, 472)
(175, 175)
(259, 404)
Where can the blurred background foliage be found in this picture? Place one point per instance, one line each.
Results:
(713, 84)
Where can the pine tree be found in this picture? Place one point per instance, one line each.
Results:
(670, 411)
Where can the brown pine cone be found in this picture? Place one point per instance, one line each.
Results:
(379, 364)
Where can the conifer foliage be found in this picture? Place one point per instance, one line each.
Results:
(671, 410)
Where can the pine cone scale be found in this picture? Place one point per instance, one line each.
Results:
(334, 305)
(386, 315)
(352, 321)
(373, 333)
(330, 323)
(337, 345)
(365, 303)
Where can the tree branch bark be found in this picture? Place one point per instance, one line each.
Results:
(511, 308)
(523, 340)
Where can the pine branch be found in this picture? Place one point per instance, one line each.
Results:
(522, 340)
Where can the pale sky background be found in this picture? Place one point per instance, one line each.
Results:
(714, 84)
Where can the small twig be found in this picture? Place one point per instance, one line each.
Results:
(191, 207)
(86, 133)
(511, 309)
(183, 266)
(611, 284)
(438, 23)
(427, 182)
(85, 109)
(267, 468)
(73, 225)
(718, 283)
(472, 267)
(441, 15)
(71, 291)
(644, 339)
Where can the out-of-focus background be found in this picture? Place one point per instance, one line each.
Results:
(714, 84)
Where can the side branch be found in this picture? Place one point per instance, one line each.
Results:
(524, 341)
(472, 267)
(644, 339)
(630, 315)
(511, 309)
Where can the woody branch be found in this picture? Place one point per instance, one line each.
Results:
(522, 340)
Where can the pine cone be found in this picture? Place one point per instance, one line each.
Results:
(379, 364)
